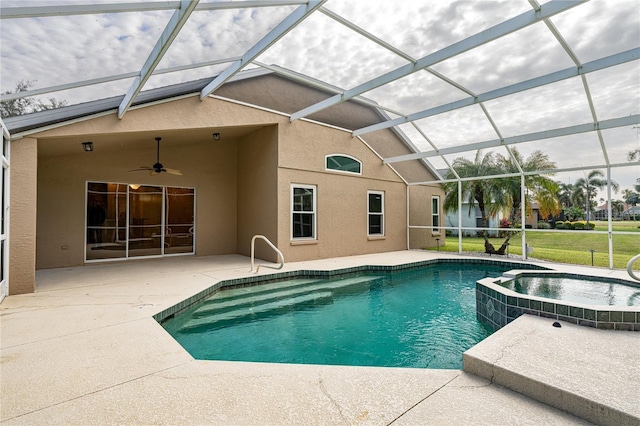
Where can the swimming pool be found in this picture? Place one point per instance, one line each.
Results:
(419, 317)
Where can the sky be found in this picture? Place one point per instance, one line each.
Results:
(57, 50)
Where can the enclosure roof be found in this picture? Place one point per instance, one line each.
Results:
(562, 77)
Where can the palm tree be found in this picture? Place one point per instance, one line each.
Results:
(586, 188)
(564, 194)
(631, 197)
(539, 188)
(617, 207)
(483, 193)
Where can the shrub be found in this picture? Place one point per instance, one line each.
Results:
(592, 225)
(560, 225)
(578, 225)
(543, 225)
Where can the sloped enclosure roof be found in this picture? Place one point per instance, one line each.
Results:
(453, 77)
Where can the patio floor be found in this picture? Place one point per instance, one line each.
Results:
(84, 349)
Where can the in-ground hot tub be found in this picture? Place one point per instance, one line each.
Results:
(606, 303)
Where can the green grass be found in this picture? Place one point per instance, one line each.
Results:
(566, 247)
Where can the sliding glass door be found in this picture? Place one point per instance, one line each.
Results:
(179, 208)
(145, 220)
(129, 220)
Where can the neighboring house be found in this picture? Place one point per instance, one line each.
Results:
(601, 212)
(471, 218)
(309, 186)
(632, 213)
(534, 217)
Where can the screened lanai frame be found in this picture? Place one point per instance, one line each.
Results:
(417, 67)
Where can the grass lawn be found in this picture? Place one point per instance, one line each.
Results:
(567, 247)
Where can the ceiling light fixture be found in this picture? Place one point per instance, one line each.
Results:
(87, 146)
(216, 136)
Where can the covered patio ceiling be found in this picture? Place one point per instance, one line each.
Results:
(562, 77)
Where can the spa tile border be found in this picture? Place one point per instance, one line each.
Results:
(497, 306)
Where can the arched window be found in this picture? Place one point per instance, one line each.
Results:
(343, 163)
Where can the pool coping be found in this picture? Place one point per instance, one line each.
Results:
(497, 306)
(85, 349)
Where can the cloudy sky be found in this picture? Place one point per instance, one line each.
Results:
(57, 50)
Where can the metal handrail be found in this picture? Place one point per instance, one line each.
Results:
(633, 260)
(253, 247)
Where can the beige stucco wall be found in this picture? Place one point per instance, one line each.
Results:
(341, 198)
(22, 229)
(420, 208)
(242, 181)
(257, 191)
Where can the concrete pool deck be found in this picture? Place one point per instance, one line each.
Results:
(84, 349)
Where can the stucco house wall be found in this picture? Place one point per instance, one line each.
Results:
(242, 181)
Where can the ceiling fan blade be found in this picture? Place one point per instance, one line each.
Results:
(153, 172)
(172, 172)
(141, 169)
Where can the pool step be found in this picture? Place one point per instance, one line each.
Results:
(260, 311)
(299, 287)
(242, 292)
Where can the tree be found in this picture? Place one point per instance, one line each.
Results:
(617, 207)
(574, 213)
(28, 105)
(486, 194)
(492, 196)
(586, 188)
(539, 188)
(564, 194)
(631, 197)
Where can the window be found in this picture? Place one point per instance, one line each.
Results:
(303, 212)
(435, 214)
(343, 163)
(375, 208)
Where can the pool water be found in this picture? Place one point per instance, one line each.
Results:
(424, 318)
(587, 291)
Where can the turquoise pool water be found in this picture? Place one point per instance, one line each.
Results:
(423, 318)
(590, 291)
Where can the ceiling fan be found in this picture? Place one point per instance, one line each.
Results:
(158, 168)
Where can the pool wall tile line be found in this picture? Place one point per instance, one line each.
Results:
(264, 279)
(497, 306)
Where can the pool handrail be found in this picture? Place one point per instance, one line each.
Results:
(633, 260)
(253, 246)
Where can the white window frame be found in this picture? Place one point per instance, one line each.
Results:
(314, 212)
(370, 213)
(326, 157)
(434, 214)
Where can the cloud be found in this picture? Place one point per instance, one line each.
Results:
(59, 50)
